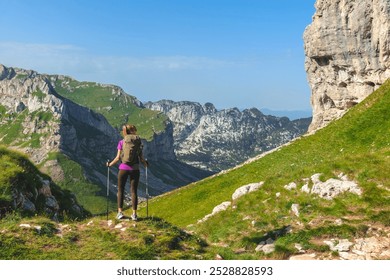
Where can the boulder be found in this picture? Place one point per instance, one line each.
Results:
(246, 189)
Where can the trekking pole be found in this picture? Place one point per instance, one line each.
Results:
(147, 191)
(108, 185)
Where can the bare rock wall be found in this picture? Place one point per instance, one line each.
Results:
(347, 48)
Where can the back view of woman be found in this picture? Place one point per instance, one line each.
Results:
(130, 155)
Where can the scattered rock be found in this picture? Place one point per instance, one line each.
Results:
(350, 256)
(240, 251)
(221, 207)
(25, 225)
(299, 248)
(343, 245)
(269, 241)
(290, 186)
(295, 209)
(38, 228)
(268, 248)
(118, 226)
(259, 247)
(303, 257)
(333, 187)
(246, 189)
(305, 188)
(372, 246)
(328, 189)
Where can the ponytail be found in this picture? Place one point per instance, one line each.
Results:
(129, 129)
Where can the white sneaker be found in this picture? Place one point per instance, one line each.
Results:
(134, 217)
(120, 216)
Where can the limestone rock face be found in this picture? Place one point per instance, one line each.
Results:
(347, 48)
(214, 140)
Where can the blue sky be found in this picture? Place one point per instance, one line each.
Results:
(232, 53)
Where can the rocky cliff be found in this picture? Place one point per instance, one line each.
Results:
(218, 139)
(39, 122)
(347, 49)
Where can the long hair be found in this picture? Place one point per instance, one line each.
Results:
(129, 129)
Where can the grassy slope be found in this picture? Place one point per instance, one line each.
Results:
(121, 111)
(357, 145)
(94, 239)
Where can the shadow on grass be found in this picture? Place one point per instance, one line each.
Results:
(274, 235)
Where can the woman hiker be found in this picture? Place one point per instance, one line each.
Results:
(130, 154)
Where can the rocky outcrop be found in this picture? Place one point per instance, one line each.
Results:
(46, 198)
(329, 189)
(347, 49)
(27, 190)
(22, 89)
(161, 148)
(214, 139)
(62, 126)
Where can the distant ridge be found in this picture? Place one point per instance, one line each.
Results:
(291, 114)
(214, 139)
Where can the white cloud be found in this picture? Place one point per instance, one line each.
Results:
(41, 49)
(68, 59)
(179, 63)
(40, 57)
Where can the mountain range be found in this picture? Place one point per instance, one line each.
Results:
(215, 140)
